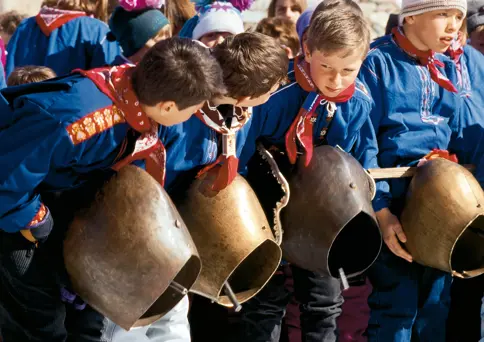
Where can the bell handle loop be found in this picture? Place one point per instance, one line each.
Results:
(267, 156)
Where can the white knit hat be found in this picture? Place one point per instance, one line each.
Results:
(218, 17)
(414, 7)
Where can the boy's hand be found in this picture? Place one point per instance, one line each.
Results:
(392, 233)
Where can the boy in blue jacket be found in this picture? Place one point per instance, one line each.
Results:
(416, 109)
(63, 37)
(468, 144)
(63, 138)
(324, 104)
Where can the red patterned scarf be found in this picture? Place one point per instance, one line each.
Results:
(426, 58)
(302, 126)
(211, 117)
(50, 19)
(115, 82)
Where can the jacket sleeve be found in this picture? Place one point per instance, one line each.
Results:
(370, 75)
(29, 148)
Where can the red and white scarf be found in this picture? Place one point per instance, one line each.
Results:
(426, 58)
(50, 19)
(302, 126)
(115, 82)
(211, 117)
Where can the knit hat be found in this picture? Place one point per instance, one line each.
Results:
(475, 14)
(132, 29)
(219, 16)
(415, 7)
(303, 22)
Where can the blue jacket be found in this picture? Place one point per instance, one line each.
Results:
(79, 43)
(350, 128)
(37, 152)
(468, 141)
(412, 114)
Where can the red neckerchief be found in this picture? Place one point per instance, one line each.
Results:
(302, 126)
(50, 19)
(426, 58)
(211, 117)
(115, 82)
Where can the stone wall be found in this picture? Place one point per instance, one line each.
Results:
(377, 12)
(30, 7)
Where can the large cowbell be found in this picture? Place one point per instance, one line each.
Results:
(443, 219)
(233, 237)
(130, 255)
(329, 223)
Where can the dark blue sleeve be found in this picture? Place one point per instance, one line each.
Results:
(28, 149)
(269, 122)
(370, 76)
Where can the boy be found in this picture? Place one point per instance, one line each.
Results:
(414, 113)
(195, 143)
(253, 66)
(29, 74)
(468, 143)
(65, 36)
(136, 32)
(325, 76)
(213, 23)
(66, 136)
(475, 24)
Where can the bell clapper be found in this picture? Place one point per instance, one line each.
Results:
(230, 293)
(179, 288)
(344, 280)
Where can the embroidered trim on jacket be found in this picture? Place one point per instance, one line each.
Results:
(94, 123)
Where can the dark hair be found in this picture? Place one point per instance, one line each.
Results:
(335, 29)
(391, 23)
(252, 64)
(283, 30)
(29, 74)
(179, 70)
(297, 5)
(10, 20)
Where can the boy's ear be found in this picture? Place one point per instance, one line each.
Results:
(166, 106)
(307, 54)
(409, 20)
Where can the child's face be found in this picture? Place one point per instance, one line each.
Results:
(434, 30)
(333, 73)
(287, 9)
(256, 101)
(163, 34)
(168, 114)
(214, 38)
(477, 38)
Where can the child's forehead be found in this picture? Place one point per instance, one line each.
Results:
(344, 53)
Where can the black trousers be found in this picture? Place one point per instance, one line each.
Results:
(320, 304)
(30, 302)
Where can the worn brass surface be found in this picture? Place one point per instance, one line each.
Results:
(443, 219)
(125, 250)
(233, 238)
(329, 222)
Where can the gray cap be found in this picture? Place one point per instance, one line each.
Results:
(475, 14)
